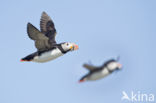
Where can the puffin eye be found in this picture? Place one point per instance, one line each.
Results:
(67, 44)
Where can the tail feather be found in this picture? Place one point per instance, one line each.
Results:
(29, 57)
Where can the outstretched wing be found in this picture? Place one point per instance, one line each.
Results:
(41, 41)
(89, 67)
(48, 28)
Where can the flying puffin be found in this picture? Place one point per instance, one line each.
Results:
(96, 73)
(47, 48)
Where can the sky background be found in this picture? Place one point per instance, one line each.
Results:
(103, 29)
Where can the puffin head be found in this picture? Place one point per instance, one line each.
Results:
(69, 46)
(113, 65)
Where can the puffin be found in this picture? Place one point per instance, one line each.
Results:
(47, 48)
(99, 72)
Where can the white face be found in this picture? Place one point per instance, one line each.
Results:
(114, 65)
(69, 46)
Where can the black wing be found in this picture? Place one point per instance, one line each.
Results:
(48, 28)
(41, 41)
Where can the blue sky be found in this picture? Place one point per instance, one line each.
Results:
(103, 29)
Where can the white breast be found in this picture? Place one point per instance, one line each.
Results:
(49, 55)
(99, 74)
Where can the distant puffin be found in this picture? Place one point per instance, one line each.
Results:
(96, 73)
(47, 48)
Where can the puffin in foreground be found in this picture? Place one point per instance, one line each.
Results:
(96, 73)
(47, 48)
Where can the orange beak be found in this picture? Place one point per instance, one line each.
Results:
(119, 65)
(76, 47)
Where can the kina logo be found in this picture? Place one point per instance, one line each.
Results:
(137, 97)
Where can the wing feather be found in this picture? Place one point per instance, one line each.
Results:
(89, 67)
(41, 41)
(47, 27)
